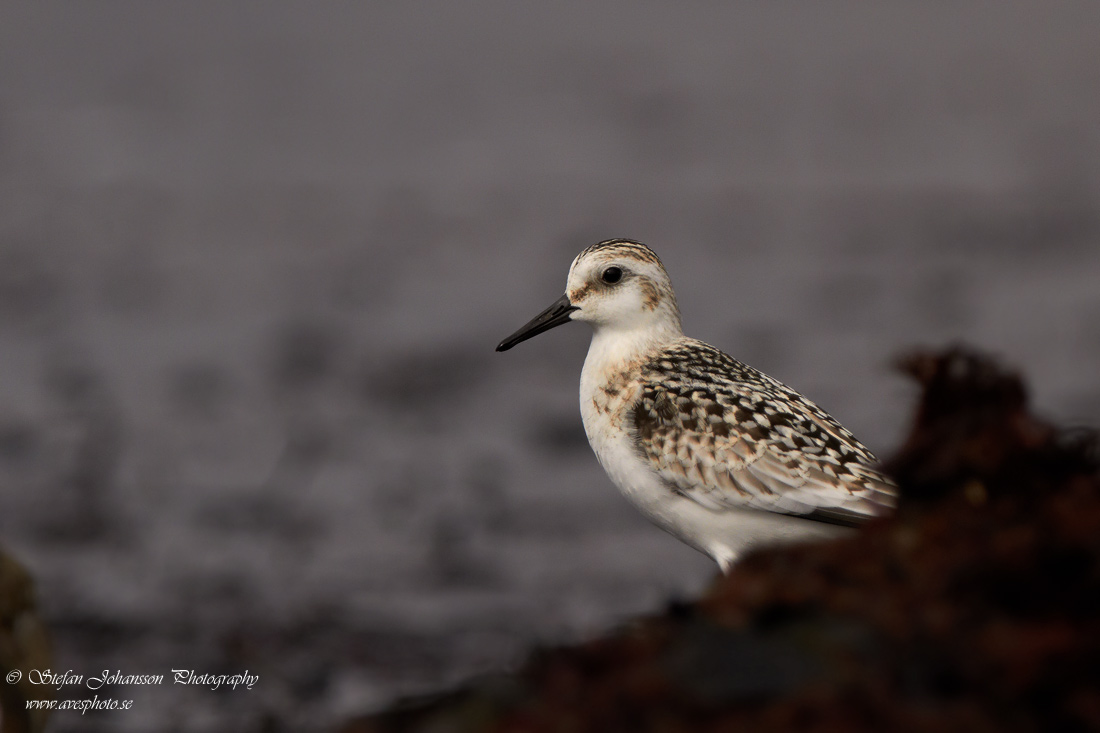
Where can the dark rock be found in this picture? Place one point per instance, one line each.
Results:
(24, 648)
(975, 608)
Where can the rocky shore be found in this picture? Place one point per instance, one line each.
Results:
(975, 608)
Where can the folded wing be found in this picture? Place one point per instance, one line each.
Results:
(730, 446)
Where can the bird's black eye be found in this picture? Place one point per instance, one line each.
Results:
(612, 275)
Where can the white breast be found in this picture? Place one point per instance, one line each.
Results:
(609, 388)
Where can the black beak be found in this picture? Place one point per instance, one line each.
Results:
(555, 315)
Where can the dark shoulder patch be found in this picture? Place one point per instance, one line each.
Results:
(663, 406)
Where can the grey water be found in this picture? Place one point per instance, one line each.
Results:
(254, 262)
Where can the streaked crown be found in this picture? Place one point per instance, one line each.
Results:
(626, 247)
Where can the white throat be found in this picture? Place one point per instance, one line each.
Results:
(614, 350)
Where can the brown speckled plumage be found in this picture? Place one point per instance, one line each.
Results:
(728, 436)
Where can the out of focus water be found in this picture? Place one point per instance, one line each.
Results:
(254, 262)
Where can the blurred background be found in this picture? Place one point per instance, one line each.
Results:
(254, 260)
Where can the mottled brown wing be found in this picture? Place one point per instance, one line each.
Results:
(738, 446)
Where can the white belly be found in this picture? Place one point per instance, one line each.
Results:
(609, 386)
(723, 535)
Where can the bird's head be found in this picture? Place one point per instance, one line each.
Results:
(616, 285)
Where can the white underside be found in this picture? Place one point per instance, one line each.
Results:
(723, 535)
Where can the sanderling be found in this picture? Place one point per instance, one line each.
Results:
(718, 454)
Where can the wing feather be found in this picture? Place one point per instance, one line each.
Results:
(755, 444)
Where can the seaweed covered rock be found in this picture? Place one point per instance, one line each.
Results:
(975, 608)
(24, 646)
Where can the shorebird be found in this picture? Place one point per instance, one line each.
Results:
(720, 455)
